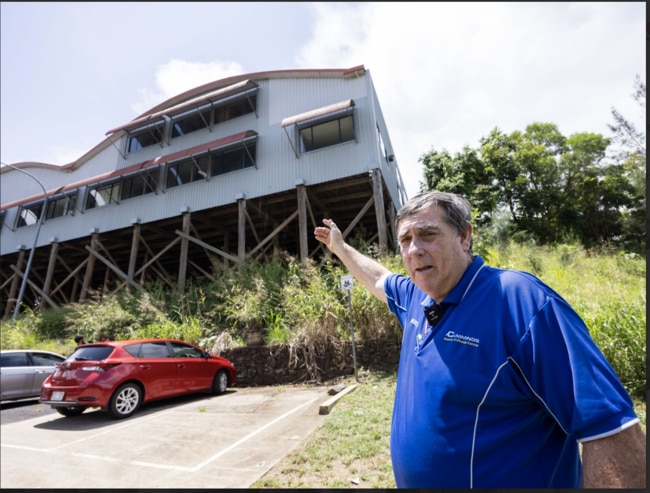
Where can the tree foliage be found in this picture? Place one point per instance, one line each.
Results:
(552, 188)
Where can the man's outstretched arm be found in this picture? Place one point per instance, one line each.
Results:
(366, 270)
(616, 461)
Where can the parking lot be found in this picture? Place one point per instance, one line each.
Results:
(226, 441)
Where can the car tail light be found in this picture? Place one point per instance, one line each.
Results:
(100, 367)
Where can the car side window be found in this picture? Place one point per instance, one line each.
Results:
(185, 351)
(14, 359)
(133, 349)
(44, 359)
(154, 350)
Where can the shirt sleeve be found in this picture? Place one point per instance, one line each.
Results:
(569, 374)
(398, 289)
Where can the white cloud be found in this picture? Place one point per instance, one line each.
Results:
(178, 76)
(446, 73)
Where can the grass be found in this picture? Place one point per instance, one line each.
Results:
(301, 303)
(351, 448)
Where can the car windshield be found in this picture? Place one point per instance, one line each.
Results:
(91, 353)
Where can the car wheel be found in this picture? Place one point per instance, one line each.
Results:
(125, 401)
(220, 383)
(69, 412)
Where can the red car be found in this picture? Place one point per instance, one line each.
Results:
(119, 376)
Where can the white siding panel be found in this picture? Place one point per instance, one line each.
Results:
(277, 166)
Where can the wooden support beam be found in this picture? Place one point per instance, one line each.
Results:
(241, 230)
(182, 262)
(13, 290)
(154, 259)
(71, 275)
(166, 278)
(208, 247)
(90, 267)
(358, 217)
(272, 235)
(202, 271)
(378, 193)
(392, 214)
(135, 242)
(50, 269)
(35, 288)
(115, 269)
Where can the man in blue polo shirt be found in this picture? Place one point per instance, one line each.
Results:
(499, 380)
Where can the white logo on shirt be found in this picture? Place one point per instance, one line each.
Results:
(451, 336)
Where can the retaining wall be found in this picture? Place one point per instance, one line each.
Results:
(285, 364)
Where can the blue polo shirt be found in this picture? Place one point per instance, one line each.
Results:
(499, 393)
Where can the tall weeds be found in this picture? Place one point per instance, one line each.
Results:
(286, 301)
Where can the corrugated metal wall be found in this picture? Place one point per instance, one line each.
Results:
(277, 169)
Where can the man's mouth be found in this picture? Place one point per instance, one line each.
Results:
(423, 269)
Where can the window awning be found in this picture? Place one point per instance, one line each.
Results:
(211, 97)
(241, 137)
(318, 113)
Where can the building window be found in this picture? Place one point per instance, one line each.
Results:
(190, 122)
(235, 109)
(29, 214)
(172, 124)
(138, 184)
(57, 206)
(146, 137)
(188, 170)
(62, 205)
(326, 134)
(217, 113)
(104, 194)
(233, 159)
(127, 187)
(217, 162)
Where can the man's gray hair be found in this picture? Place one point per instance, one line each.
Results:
(458, 210)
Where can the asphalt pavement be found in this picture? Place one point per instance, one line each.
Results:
(226, 441)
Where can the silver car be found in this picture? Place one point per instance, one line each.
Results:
(23, 371)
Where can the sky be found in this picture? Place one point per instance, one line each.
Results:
(446, 74)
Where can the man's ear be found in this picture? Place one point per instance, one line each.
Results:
(466, 237)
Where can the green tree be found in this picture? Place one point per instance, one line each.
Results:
(552, 188)
(625, 132)
(464, 174)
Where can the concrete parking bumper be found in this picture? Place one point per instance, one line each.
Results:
(226, 441)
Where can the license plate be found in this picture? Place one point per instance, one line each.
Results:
(57, 395)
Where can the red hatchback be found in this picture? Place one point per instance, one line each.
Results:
(118, 376)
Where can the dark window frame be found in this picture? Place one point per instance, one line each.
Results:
(122, 188)
(143, 137)
(329, 131)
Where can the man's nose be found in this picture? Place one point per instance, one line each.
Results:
(415, 247)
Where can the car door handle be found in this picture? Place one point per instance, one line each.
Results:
(181, 365)
(145, 367)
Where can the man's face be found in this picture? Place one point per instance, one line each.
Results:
(435, 256)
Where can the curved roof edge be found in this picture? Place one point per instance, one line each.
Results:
(191, 93)
(270, 74)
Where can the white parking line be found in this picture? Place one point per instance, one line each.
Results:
(249, 436)
(90, 437)
(153, 464)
